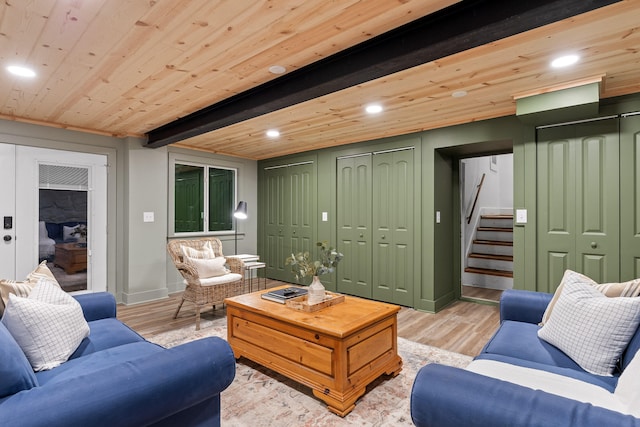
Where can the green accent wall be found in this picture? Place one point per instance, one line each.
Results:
(437, 259)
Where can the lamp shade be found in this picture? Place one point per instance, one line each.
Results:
(241, 210)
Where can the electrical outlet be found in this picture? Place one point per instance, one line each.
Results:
(148, 217)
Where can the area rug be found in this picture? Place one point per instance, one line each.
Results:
(259, 397)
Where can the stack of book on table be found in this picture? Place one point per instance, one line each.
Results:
(282, 295)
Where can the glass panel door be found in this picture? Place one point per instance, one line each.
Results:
(63, 227)
(61, 216)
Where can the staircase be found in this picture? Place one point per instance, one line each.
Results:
(490, 262)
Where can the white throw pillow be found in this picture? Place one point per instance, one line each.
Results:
(591, 328)
(42, 272)
(9, 287)
(48, 325)
(210, 267)
(42, 230)
(627, 390)
(205, 252)
(625, 289)
(67, 233)
(23, 289)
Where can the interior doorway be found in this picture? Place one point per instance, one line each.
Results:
(486, 201)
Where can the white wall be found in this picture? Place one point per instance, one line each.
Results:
(496, 195)
(138, 267)
(144, 242)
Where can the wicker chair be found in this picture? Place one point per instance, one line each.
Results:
(206, 293)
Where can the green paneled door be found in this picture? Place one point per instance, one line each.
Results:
(289, 206)
(274, 207)
(354, 203)
(393, 208)
(578, 202)
(630, 200)
(301, 201)
(375, 220)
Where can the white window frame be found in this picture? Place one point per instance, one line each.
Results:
(175, 158)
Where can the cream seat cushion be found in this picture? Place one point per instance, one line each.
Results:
(627, 390)
(556, 384)
(227, 278)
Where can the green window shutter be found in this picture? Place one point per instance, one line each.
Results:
(189, 198)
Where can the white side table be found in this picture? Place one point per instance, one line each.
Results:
(252, 266)
(245, 257)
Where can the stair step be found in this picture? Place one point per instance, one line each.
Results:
(497, 216)
(493, 242)
(498, 229)
(491, 256)
(489, 272)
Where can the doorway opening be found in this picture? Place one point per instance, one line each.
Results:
(63, 232)
(486, 201)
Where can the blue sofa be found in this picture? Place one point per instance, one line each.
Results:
(116, 378)
(445, 396)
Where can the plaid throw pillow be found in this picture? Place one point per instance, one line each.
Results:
(625, 289)
(48, 325)
(590, 328)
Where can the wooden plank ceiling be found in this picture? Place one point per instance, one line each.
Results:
(126, 67)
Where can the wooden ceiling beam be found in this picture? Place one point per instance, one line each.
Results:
(462, 26)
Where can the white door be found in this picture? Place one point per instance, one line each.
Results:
(77, 259)
(7, 211)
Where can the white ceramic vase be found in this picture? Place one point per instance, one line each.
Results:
(316, 291)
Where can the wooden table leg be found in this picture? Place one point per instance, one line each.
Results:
(338, 406)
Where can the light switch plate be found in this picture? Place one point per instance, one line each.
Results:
(148, 217)
(521, 216)
(437, 217)
(325, 216)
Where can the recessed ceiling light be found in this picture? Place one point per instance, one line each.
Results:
(21, 71)
(564, 61)
(373, 108)
(459, 93)
(273, 133)
(277, 69)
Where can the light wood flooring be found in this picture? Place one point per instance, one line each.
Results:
(477, 292)
(462, 327)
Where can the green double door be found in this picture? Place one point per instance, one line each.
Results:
(289, 209)
(375, 225)
(579, 173)
(629, 197)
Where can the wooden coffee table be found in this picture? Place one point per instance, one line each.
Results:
(337, 351)
(71, 257)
